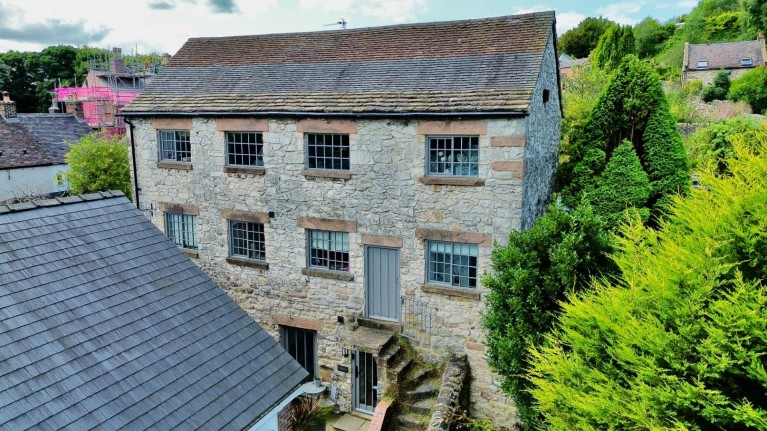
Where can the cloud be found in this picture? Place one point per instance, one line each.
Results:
(53, 32)
(687, 4)
(621, 12)
(223, 6)
(568, 20)
(161, 5)
(384, 10)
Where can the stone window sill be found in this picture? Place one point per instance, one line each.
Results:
(320, 173)
(191, 252)
(181, 166)
(333, 275)
(250, 263)
(452, 181)
(253, 170)
(451, 291)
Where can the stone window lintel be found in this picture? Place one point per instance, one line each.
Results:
(181, 166)
(332, 225)
(250, 216)
(179, 208)
(463, 237)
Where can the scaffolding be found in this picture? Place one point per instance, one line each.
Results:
(111, 84)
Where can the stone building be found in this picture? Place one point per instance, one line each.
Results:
(335, 179)
(704, 61)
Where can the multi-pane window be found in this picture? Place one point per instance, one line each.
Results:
(327, 151)
(452, 263)
(175, 145)
(244, 149)
(180, 229)
(328, 250)
(246, 240)
(453, 155)
(300, 344)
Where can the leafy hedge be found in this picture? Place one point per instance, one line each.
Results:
(679, 341)
(531, 275)
(98, 163)
(751, 88)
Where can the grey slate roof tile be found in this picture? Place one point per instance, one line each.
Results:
(460, 66)
(104, 323)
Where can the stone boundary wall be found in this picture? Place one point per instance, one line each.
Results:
(453, 394)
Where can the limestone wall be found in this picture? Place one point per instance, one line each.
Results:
(707, 76)
(385, 195)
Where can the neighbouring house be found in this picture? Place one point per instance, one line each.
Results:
(568, 64)
(105, 324)
(356, 177)
(703, 62)
(32, 149)
(109, 85)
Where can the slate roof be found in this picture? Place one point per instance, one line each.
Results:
(478, 65)
(105, 324)
(43, 136)
(725, 55)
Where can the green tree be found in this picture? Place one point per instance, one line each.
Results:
(21, 83)
(98, 163)
(623, 185)
(632, 107)
(710, 147)
(751, 88)
(580, 92)
(649, 35)
(677, 342)
(712, 21)
(531, 276)
(718, 89)
(54, 65)
(754, 16)
(581, 40)
(613, 46)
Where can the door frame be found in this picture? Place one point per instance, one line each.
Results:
(398, 299)
(356, 380)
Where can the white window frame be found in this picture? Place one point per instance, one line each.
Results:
(170, 146)
(746, 62)
(457, 266)
(702, 64)
(452, 160)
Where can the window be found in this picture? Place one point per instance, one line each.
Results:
(745, 62)
(703, 64)
(300, 345)
(246, 240)
(453, 156)
(328, 250)
(180, 229)
(175, 145)
(452, 263)
(244, 149)
(325, 151)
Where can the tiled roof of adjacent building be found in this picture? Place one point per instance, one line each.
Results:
(478, 65)
(38, 139)
(725, 55)
(105, 324)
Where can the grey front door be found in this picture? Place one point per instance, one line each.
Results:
(382, 298)
(365, 382)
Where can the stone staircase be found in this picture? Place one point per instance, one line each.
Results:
(413, 385)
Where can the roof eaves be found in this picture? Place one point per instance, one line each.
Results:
(323, 114)
(25, 206)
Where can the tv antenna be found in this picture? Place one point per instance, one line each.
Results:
(342, 22)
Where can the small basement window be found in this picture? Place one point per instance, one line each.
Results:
(746, 62)
(703, 64)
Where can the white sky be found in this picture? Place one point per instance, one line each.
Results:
(164, 25)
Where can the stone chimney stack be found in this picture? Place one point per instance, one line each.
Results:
(75, 107)
(8, 107)
(166, 59)
(116, 64)
(760, 39)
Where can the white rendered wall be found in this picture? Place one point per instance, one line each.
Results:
(20, 182)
